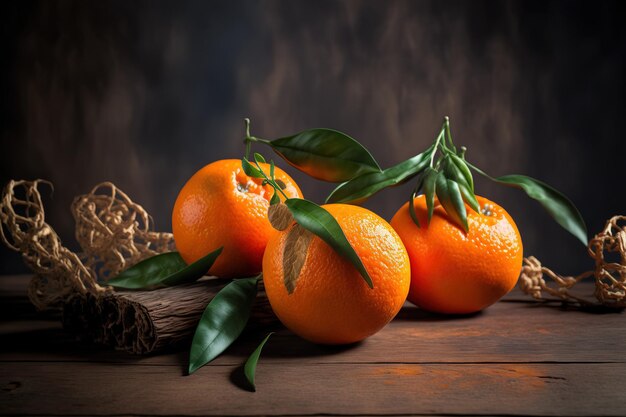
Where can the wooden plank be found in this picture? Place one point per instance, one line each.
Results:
(298, 389)
(506, 332)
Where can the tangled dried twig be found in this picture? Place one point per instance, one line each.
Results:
(60, 272)
(610, 277)
(113, 232)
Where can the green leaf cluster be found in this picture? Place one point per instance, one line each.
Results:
(255, 171)
(313, 218)
(449, 179)
(442, 172)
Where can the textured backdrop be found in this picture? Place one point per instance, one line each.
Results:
(145, 93)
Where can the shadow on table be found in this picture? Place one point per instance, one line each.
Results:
(557, 305)
(282, 345)
(413, 313)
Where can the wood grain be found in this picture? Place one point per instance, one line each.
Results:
(516, 358)
(295, 389)
(506, 332)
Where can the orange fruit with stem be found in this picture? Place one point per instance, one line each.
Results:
(457, 272)
(222, 206)
(320, 295)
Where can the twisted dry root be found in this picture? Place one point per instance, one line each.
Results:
(60, 272)
(610, 277)
(113, 232)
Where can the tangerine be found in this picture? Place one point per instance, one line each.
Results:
(222, 206)
(329, 301)
(456, 272)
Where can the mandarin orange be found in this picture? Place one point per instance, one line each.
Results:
(457, 272)
(221, 206)
(329, 301)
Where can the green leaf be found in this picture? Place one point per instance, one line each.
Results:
(250, 170)
(272, 168)
(561, 208)
(275, 199)
(325, 154)
(222, 322)
(459, 171)
(450, 198)
(249, 368)
(322, 224)
(556, 204)
(430, 187)
(463, 170)
(412, 213)
(469, 198)
(166, 269)
(364, 186)
(259, 158)
(454, 173)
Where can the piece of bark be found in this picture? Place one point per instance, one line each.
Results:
(143, 322)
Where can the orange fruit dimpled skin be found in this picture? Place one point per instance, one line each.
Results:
(457, 273)
(331, 302)
(221, 206)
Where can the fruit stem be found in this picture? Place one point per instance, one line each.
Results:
(249, 138)
(246, 122)
(432, 157)
(446, 126)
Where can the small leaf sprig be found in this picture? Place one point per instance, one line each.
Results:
(448, 178)
(310, 216)
(307, 214)
(255, 171)
(251, 363)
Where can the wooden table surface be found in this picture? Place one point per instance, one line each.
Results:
(516, 358)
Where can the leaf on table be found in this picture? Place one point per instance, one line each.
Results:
(166, 269)
(222, 322)
(250, 366)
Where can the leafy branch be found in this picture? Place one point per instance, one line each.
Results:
(310, 216)
(442, 171)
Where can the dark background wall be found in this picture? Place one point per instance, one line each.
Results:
(145, 93)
